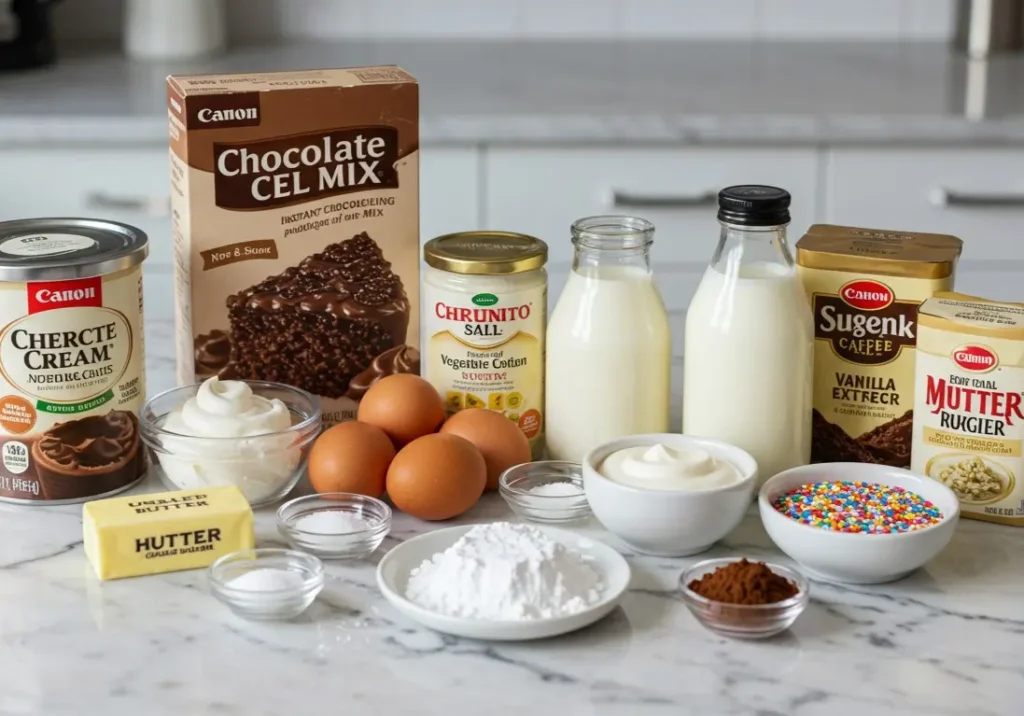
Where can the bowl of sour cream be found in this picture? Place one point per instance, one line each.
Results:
(254, 435)
(666, 494)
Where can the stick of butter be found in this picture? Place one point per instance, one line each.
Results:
(165, 532)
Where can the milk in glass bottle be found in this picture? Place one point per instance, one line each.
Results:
(749, 341)
(608, 341)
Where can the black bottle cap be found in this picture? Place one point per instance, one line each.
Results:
(753, 205)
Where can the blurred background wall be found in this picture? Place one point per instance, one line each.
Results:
(690, 19)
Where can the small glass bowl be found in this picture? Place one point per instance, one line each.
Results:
(335, 545)
(516, 482)
(744, 621)
(264, 467)
(273, 604)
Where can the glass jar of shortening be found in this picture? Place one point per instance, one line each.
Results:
(484, 313)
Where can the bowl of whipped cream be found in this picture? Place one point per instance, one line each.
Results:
(666, 494)
(254, 435)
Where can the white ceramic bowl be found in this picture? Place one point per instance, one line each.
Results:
(669, 523)
(858, 558)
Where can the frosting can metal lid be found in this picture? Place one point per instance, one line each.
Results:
(486, 253)
(68, 248)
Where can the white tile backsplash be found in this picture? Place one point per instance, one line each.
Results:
(829, 19)
(927, 19)
(671, 18)
(437, 18)
(330, 18)
(598, 19)
(567, 18)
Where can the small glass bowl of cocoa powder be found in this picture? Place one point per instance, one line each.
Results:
(744, 599)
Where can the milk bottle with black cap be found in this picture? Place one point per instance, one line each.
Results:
(749, 340)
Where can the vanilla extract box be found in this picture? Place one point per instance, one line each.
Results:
(296, 226)
(865, 287)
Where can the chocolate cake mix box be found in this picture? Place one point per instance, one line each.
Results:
(865, 287)
(296, 225)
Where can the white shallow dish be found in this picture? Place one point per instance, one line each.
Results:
(393, 575)
(858, 558)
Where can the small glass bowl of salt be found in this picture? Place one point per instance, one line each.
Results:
(267, 583)
(335, 525)
(549, 491)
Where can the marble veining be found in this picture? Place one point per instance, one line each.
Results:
(946, 640)
(578, 91)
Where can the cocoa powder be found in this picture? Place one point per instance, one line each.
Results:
(744, 582)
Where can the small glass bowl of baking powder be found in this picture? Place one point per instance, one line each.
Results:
(744, 621)
(549, 491)
(267, 584)
(335, 525)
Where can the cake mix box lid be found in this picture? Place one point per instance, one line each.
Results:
(191, 85)
(879, 251)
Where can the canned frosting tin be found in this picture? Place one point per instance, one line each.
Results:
(72, 366)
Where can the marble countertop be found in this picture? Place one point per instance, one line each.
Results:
(579, 91)
(946, 640)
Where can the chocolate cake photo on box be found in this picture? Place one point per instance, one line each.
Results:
(400, 359)
(213, 355)
(332, 325)
(887, 444)
(891, 441)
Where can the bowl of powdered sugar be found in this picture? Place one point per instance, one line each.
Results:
(503, 581)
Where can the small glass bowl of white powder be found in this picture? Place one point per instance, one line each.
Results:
(549, 491)
(335, 525)
(267, 583)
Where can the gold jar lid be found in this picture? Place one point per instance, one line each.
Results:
(485, 253)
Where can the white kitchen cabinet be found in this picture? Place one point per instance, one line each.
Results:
(541, 191)
(449, 191)
(995, 282)
(128, 185)
(976, 194)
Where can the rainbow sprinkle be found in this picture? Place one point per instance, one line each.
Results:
(858, 507)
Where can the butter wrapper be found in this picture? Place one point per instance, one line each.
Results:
(165, 532)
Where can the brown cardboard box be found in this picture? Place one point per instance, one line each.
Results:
(296, 219)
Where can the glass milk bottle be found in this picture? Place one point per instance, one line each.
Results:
(749, 342)
(608, 341)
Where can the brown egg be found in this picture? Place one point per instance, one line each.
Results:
(351, 457)
(437, 477)
(404, 406)
(498, 439)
